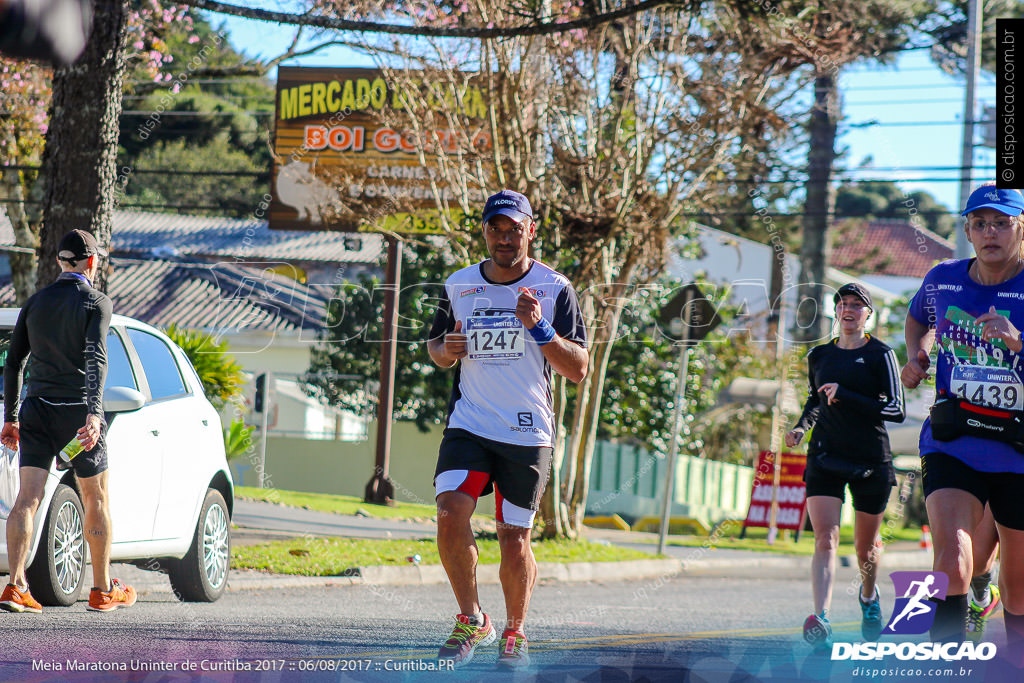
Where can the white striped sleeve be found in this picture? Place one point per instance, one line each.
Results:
(895, 410)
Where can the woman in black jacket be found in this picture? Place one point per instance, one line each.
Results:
(854, 388)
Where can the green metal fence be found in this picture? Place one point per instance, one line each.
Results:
(629, 481)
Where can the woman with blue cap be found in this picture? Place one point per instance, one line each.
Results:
(971, 312)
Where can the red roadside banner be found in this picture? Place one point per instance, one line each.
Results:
(792, 495)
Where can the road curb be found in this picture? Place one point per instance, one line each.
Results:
(424, 575)
(151, 583)
(570, 572)
(147, 582)
(421, 575)
(892, 560)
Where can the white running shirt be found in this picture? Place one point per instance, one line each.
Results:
(502, 389)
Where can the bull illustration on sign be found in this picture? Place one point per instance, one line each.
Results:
(298, 188)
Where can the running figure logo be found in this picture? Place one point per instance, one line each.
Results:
(914, 612)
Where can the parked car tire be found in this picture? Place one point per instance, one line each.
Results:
(202, 574)
(55, 575)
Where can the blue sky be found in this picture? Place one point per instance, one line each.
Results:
(919, 110)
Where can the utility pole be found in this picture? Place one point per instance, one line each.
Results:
(262, 405)
(778, 417)
(677, 423)
(380, 489)
(967, 144)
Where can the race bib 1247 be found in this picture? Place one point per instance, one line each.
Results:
(495, 336)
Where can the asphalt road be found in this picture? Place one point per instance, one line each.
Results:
(249, 514)
(735, 628)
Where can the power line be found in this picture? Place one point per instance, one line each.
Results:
(190, 207)
(866, 70)
(908, 168)
(920, 86)
(860, 88)
(726, 182)
(134, 112)
(233, 79)
(867, 124)
(895, 102)
(858, 169)
(164, 171)
(695, 214)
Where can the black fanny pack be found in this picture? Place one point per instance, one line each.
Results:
(842, 468)
(952, 418)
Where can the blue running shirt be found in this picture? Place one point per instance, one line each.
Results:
(985, 373)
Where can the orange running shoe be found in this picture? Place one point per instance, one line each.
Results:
(16, 600)
(119, 595)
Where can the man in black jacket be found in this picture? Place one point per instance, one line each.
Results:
(64, 327)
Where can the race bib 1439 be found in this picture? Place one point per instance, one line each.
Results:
(988, 386)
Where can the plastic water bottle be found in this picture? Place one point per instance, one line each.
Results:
(68, 453)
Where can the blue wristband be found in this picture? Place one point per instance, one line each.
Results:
(542, 332)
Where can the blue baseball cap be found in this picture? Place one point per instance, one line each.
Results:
(1010, 202)
(508, 203)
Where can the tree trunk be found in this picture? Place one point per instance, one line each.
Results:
(778, 284)
(81, 144)
(811, 322)
(551, 502)
(589, 413)
(574, 441)
(25, 226)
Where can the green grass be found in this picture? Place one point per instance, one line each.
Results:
(756, 539)
(331, 557)
(345, 505)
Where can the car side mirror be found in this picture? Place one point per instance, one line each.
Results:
(122, 399)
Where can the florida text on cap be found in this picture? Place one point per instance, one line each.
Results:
(1010, 202)
(508, 203)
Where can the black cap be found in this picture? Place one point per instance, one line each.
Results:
(78, 245)
(856, 290)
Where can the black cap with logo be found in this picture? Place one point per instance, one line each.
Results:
(78, 245)
(854, 289)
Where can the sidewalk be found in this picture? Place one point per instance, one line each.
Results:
(257, 522)
(897, 555)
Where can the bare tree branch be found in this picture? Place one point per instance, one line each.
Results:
(292, 53)
(534, 29)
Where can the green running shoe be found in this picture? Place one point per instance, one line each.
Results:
(514, 652)
(977, 616)
(465, 637)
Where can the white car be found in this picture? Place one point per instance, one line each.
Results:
(170, 488)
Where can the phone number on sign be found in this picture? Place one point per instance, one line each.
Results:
(327, 664)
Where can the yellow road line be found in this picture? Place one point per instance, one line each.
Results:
(590, 642)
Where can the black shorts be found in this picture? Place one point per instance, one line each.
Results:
(46, 426)
(869, 495)
(473, 465)
(1001, 490)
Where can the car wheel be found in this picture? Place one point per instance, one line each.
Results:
(55, 575)
(202, 574)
